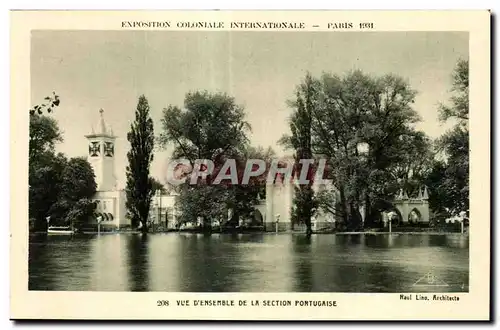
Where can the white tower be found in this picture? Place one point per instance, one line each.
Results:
(102, 155)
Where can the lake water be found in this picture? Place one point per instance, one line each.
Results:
(250, 263)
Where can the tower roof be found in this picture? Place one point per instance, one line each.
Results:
(101, 128)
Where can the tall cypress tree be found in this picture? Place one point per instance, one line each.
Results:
(139, 184)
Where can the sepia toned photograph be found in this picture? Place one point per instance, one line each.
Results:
(388, 114)
(274, 160)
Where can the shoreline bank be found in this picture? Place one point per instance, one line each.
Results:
(367, 233)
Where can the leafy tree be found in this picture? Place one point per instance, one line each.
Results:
(77, 186)
(44, 167)
(43, 131)
(51, 102)
(44, 135)
(301, 127)
(449, 178)
(157, 185)
(439, 200)
(205, 201)
(80, 212)
(360, 124)
(211, 126)
(139, 183)
(45, 182)
(328, 201)
(414, 158)
(58, 187)
(78, 180)
(459, 108)
(61, 189)
(242, 198)
(393, 146)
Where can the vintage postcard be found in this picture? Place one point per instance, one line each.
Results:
(239, 165)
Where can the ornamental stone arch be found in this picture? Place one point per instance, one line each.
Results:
(398, 219)
(259, 214)
(413, 209)
(415, 216)
(258, 217)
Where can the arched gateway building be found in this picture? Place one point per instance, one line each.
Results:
(277, 206)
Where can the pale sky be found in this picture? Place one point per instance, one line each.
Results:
(90, 70)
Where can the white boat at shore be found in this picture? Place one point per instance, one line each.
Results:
(60, 230)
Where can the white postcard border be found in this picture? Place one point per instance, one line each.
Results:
(350, 306)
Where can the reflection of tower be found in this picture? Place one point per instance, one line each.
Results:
(102, 155)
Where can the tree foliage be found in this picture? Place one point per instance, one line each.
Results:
(58, 188)
(139, 184)
(212, 127)
(77, 186)
(157, 185)
(80, 212)
(45, 183)
(44, 166)
(44, 135)
(459, 101)
(51, 102)
(449, 177)
(78, 180)
(209, 127)
(301, 141)
(363, 126)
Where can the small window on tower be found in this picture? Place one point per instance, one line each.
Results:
(94, 149)
(109, 149)
(104, 206)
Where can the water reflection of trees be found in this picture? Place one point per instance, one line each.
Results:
(399, 241)
(358, 269)
(208, 264)
(372, 275)
(39, 261)
(246, 238)
(49, 267)
(457, 241)
(137, 249)
(229, 263)
(303, 267)
(356, 263)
